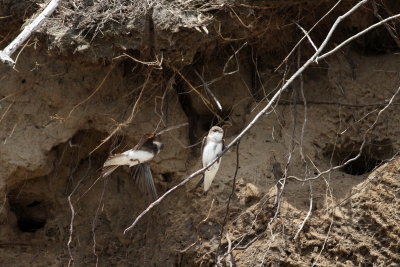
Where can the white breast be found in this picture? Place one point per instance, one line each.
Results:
(210, 152)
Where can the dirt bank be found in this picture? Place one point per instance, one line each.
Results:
(99, 75)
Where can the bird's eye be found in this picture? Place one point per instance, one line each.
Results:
(131, 160)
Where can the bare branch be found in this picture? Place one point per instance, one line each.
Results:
(229, 201)
(5, 54)
(327, 54)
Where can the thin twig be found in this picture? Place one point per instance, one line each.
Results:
(171, 128)
(229, 200)
(308, 214)
(287, 102)
(306, 34)
(71, 225)
(209, 91)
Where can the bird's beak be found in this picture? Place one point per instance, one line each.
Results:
(162, 147)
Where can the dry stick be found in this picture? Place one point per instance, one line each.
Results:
(255, 119)
(71, 225)
(286, 102)
(171, 128)
(229, 200)
(278, 199)
(224, 73)
(303, 127)
(209, 91)
(5, 54)
(205, 100)
(301, 148)
(230, 256)
(94, 223)
(331, 222)
(308, 214)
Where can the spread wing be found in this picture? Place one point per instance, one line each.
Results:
(143, 177)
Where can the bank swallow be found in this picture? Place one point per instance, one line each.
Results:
(137, 157)
(213, 144)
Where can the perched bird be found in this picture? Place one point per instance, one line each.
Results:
(137, 157)
(212, 146)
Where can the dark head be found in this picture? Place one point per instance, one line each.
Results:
(158, 147)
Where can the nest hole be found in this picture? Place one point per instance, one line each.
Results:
(167, 177)
(364, 164)
(372, 155)
(31, 213)
(30, 225)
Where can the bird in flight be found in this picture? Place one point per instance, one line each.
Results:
(137, 157)
(212, 146)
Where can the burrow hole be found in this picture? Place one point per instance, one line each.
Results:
(372, 155)
(30, 210)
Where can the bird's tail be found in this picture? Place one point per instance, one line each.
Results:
(107, 170)
(209, 176)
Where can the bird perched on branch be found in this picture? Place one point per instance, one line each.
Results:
(137, 157)
(212, 146)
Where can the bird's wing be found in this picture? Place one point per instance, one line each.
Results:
(143, 177)
(203, 143)
(148, 177)
(117, 159)
(222, 148)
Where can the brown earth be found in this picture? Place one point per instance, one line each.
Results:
(99, 69)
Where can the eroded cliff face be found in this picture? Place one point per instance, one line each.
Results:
(100, 75)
